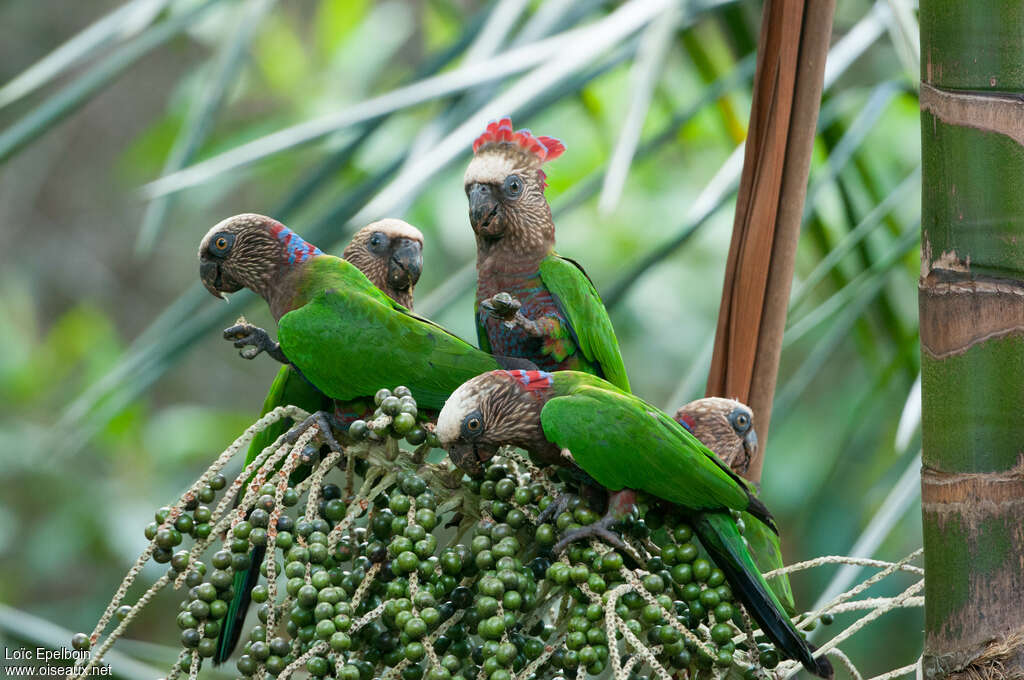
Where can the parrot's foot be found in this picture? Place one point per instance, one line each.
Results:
(502, 306)
(505, 308)
(325, 422)
(252, 340)
(556, 507)
(621, 506)
(601, 529)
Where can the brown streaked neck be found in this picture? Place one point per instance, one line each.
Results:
(282, 290)
(528, 240)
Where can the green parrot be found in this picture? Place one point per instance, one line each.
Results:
(726, 426)
(624, 444)
(390, 253)
(530, 301)
(336, 330)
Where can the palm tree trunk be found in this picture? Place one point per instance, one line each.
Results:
(972, 337)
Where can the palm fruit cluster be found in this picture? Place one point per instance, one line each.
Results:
(444, 578)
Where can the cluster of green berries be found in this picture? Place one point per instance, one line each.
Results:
(483, 606)
(193, 522)
(402, 424)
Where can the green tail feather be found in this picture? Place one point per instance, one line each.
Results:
(289, 388)
(723, 542)
(767, 553)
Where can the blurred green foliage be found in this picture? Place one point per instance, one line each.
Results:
(76, 297)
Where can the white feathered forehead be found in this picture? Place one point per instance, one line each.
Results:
(461, 403)
(394, 228)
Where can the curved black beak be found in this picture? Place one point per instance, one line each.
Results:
(209, 274)
(406, 264)
(469, 457)
(484, 209)
(750, 443)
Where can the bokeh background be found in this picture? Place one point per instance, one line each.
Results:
(117, 389)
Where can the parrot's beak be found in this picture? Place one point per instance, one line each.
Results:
(750, 443)
(406, 265)
(218, 285)
(484, 211)
(469, 457)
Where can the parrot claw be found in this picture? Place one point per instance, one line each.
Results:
(600, 529)
(324, 421)
(502, 306)
(251, 340)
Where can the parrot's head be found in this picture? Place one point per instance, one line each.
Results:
(505, 186)
(390, 253)
(725, 426)
(490, 411)
(248, 251)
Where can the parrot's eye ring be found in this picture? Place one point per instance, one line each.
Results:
(378, 242)
(513, 186)
(473, 425)
(221, 244)
(740, 420)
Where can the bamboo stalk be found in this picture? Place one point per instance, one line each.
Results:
(971, 303)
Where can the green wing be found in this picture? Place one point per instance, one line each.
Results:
(349, 345)
(481, 331)
(576, 296)
(622, 442)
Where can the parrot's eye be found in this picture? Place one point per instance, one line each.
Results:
(513, 186)
(740, 420)
(473, 425)
(221, 244)
(378, 242)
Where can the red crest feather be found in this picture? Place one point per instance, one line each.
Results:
(500, 131)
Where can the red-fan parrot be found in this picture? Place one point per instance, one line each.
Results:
(335, 328)
(726, 426)
(530, 301)
(390, 253)
(624, 444)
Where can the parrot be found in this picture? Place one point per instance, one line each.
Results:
(530, 301)
(625, 445)
(390, 253)
(726, 426)
(336, 330)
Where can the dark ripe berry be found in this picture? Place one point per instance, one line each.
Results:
(416, 436)
(206, 494)
(218, 482)
(827, 619)
(259, 518)
(358, 429)
(190, 637)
